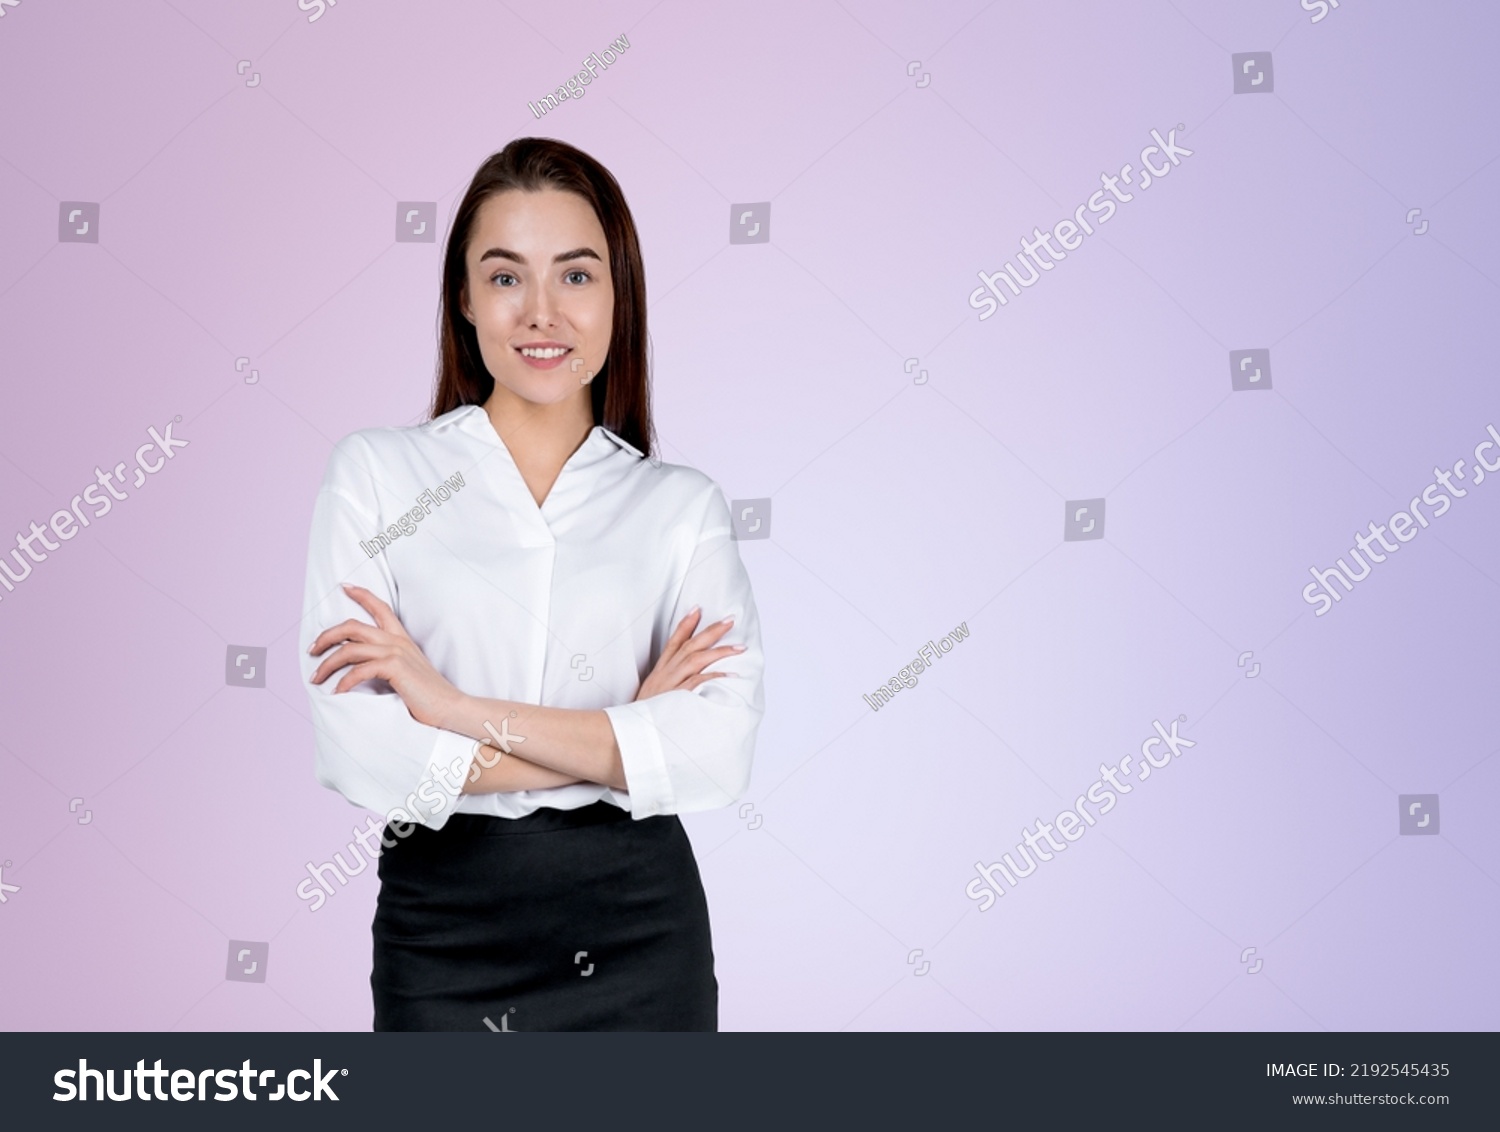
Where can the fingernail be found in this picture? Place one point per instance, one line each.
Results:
(738, 648)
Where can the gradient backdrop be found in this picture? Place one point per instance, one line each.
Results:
(229, 217)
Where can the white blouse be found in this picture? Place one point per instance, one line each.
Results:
(567, 605)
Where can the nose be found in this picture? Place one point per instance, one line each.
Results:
(541, 309)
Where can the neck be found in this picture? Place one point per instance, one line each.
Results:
(540, 436)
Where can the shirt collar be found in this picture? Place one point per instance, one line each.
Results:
(474, 419)
(621, 441)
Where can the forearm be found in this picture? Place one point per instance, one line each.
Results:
(573, 744)
(512, 773)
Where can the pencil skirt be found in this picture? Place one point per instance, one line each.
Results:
(580, 919)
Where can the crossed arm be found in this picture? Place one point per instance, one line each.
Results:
(562, 745)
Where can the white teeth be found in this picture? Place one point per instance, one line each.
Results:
(549, 352)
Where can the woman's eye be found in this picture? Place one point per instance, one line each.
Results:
(501, 275)
(579, 271)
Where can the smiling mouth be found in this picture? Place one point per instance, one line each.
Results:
(550, 357)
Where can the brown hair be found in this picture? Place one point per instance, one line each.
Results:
(621, 392)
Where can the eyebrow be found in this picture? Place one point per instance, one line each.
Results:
(562, 257)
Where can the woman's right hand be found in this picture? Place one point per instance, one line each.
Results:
(682, 660)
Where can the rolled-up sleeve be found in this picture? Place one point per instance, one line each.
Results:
(683, 750)
(369, 748)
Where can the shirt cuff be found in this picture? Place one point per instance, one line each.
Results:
(641, 755)
(448, 765)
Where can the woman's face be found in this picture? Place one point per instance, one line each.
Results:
(538, 275)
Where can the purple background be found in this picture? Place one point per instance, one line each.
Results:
(258, 221)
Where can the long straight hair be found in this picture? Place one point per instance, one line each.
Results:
(620, 392)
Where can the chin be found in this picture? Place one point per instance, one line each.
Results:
(539, 389)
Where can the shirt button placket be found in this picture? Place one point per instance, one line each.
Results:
(542, 556)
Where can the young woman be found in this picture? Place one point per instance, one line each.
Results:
(510, 617)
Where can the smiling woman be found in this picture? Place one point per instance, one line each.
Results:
(573, 289)
(557, 602)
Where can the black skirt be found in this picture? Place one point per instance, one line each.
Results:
(561, 920)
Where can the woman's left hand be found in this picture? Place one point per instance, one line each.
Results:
(385, 651)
